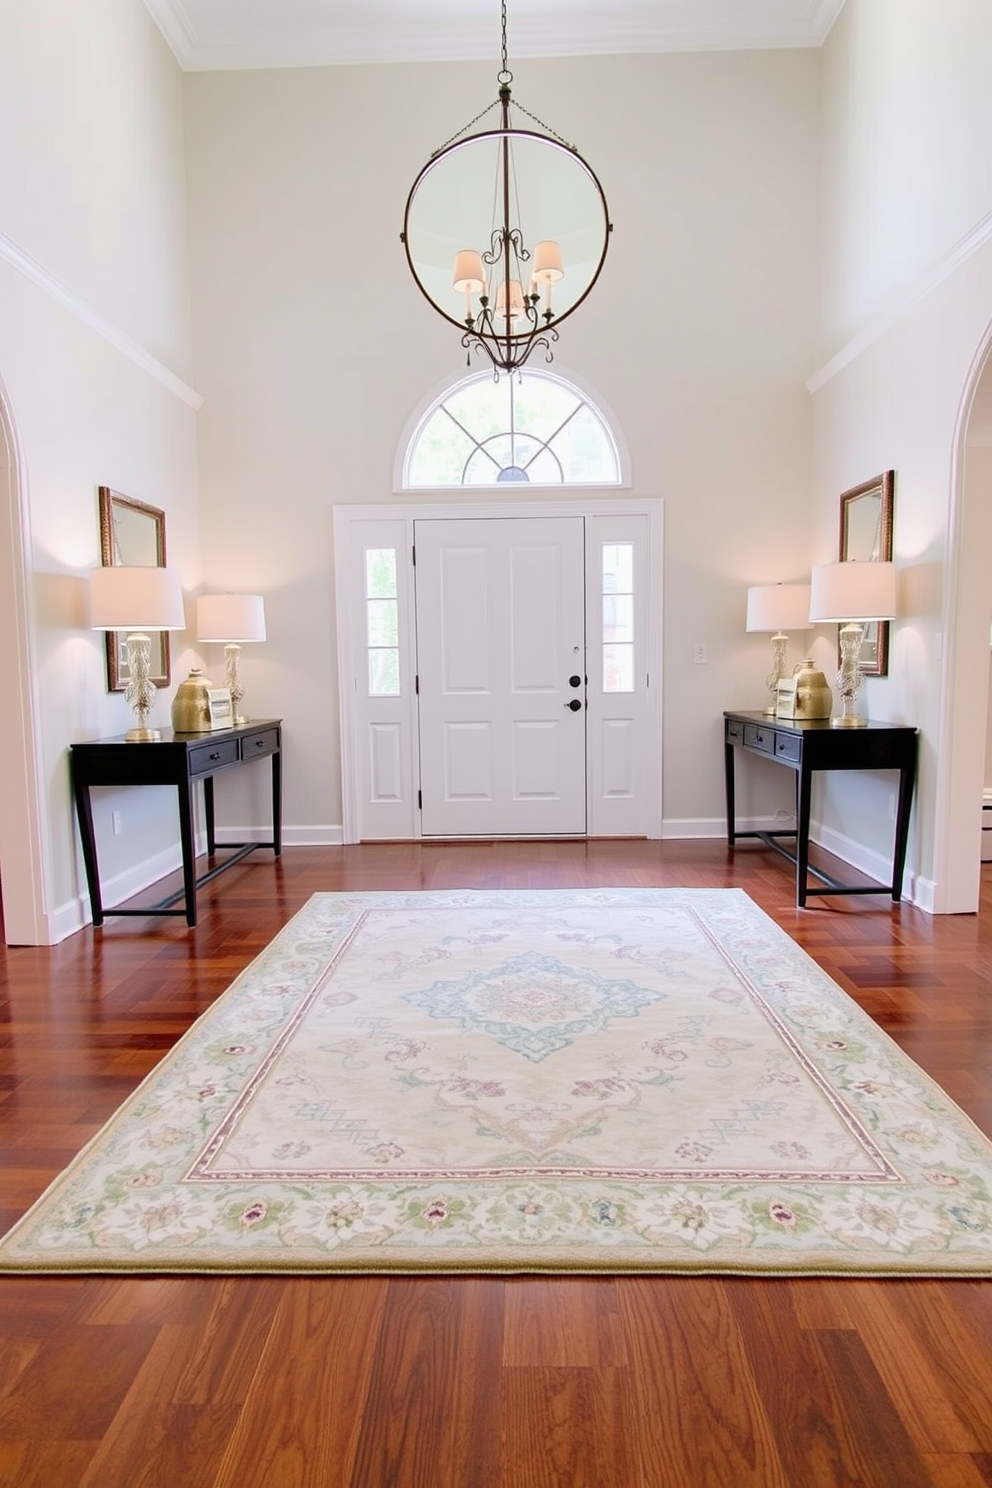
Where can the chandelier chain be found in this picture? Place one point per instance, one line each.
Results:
(465, 128)
(546, 127)
(505, 75)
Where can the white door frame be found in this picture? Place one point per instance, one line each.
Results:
(401, 519)
(22, 836)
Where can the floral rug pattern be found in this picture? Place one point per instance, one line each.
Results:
(608, 1079)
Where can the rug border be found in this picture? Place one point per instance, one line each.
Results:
(454, 1262)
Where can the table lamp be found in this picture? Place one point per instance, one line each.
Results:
(136, 601)
(852, 594)
(233, 619)
(778, 608)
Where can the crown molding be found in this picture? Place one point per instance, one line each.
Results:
(31, 269)
(943, 269)
(436, 36)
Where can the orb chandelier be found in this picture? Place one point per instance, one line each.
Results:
(506, 231)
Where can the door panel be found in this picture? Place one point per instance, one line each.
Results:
(500, 628)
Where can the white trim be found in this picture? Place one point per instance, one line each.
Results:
(23, 828)
(956, 880)
(447, 385)
(298, 836)
(438, 36)
(970, 244)
(876, 865)
(120, 340)
(174, 24)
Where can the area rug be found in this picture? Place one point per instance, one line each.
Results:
(618, 1080)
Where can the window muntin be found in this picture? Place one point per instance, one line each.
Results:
(531, 429)
(382, 624)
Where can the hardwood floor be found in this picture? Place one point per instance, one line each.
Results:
(440, 1382)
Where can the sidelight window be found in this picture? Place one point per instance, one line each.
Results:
(618, 617)
(382, 629)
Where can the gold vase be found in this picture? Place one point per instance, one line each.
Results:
(191, 704)
(813, 697)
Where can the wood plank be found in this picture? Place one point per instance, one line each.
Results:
(309, 1388)
(454, 1381)
(435, 1400)
(701, 1417)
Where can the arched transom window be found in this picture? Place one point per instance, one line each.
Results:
(531, 429)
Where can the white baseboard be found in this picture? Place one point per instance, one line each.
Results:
(322, 836)
(77, 913)
(716, 826)
(74, 915)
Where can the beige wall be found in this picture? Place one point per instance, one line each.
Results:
(907, 304)
(92, 259)
(313, 348)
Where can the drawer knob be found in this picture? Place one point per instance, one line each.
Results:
(215, 755)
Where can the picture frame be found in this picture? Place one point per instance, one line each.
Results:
(785, 697)
(866, 537)
(220, 708)
(132, 534)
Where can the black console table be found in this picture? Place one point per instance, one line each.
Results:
(180, 760)
(805, 745)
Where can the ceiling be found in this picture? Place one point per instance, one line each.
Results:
(221, 34)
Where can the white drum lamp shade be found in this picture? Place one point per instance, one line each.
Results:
(123, 598)
(778, 607)
(853, 591)
(230, 617)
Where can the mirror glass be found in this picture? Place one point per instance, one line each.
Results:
(866, 537)
(132, 534)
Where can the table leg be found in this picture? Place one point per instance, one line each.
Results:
(208, 813)
(188, 848)
(907, 777)
(804, 789)
(277, 803)
(87, 836)
(728, 770)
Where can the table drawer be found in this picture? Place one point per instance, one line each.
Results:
(735, 731)
(756, 736)
(214, 756)
(788, 747)
(266, 741)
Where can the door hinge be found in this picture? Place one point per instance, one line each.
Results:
(416, 684)
(420, 800)
(413, 554)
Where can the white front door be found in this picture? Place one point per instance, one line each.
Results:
(501, 669)
(488, 746)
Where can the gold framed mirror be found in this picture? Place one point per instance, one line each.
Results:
(866, 537)
(132, 533)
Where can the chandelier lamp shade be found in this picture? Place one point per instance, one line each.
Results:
(137, 601)
(505, 232)
(232, 619)
(853, 594)
(778, 608)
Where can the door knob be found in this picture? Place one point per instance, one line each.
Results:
(574, 705)
(575, 680)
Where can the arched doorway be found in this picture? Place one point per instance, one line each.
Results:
(21, 837)
(967, 618)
